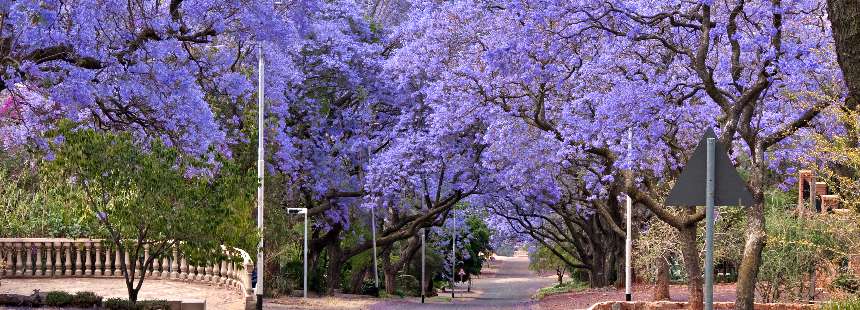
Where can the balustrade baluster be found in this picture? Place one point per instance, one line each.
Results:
(88, 263)
(219, 271)
(28, 264)
(67, 263)
(165, 266)
(19, 262)
(193, 272)
(116, 267)
(48, 269)
(9, 269)
(127, 259)
(79, 269)
(207, 273)
(174, 264)
(99, 266)
(158, 267)
(233, 281)
(145, 258)
(184, 274)
(58, 258)
(37, 264)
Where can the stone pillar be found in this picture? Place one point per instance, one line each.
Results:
(246, 277)
(804, 177)
(79, 269)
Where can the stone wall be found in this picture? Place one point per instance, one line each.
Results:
(671, 305)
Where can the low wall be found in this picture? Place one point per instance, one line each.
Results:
(68, 258)
(672, 305)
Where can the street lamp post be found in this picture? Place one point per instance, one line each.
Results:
(628, 244)
(261, 106)
(305, 273)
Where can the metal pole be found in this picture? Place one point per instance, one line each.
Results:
(709, 227)
(306, 255)
(812, 208)
(261, 106)
(628, 246)
(453, 262)
(423, 259)
(373, 230)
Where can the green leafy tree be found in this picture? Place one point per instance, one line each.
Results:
(542, 259)
(799, 244)
(152, 197)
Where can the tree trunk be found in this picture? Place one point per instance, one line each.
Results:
(845, 20)
(335, 261)
(690, 250)
(756, 237)
(661, 289)
(357, 280)
(559, 271)
(748, 271)
(390, 281)
(597, 275)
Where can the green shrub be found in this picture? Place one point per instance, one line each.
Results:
(58, 299)
(123, 304)
(86, 299)
(119, 304)
(846, 282)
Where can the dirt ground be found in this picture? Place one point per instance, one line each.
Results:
(584, 299)
(215, 297)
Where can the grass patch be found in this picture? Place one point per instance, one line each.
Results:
(848, 304)
(566, 287)
(440, 298)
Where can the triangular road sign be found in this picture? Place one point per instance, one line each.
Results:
(729, 188)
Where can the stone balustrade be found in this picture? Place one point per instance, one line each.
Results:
(58, 258)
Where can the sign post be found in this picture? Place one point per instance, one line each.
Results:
(709, 179)
(709, 227)
(453, 263)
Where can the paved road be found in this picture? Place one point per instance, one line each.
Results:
(509, 287)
